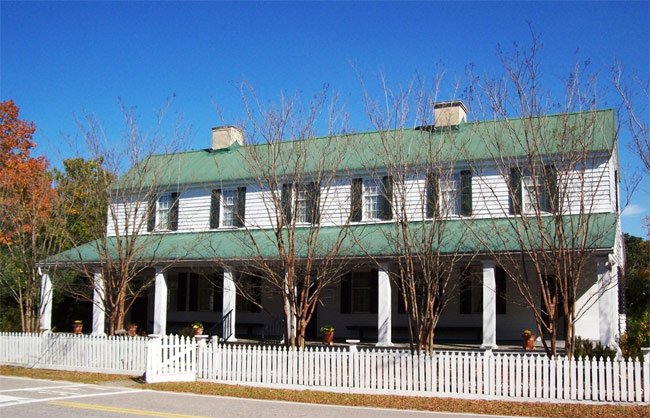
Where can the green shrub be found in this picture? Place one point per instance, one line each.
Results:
(637, 336)
(586, 348)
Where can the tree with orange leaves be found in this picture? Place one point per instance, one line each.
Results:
(27, 227)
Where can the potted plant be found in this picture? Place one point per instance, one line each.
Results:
(77, 327)
(328, 334)
(132, 329)
(528, 340)
(197, 328)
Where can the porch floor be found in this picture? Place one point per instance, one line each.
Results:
(509, 346)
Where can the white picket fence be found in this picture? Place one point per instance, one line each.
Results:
(59, 351)
(449, 374)
(172, 359)
(480, 375)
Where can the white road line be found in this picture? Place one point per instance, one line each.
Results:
(41, 388)
(58, 398)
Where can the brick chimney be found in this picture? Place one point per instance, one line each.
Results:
(224, 136)
(447, 114)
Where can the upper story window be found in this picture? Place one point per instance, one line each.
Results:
(372, 199)
(163, 212)
(533, 192)
(227, 208)
(301, 203)
(450, 195)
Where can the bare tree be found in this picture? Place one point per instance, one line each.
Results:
(555, 168)
(422, 171)
(296, 243)
(143, 199)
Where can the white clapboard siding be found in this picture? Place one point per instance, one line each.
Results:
(194, 210)
(129, 212)
(592, 188)
(90, 353)
(335, 202)
(260, 209)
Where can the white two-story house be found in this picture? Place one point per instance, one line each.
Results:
(208, 214)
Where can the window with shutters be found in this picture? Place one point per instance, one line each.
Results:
(163, 213)
(227, 208)
(532, 193)
(449, 196)
(301, 202)
(471, 291)
(361, 291)
(192, 292)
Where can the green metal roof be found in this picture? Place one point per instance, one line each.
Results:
(361, 240)
(363, 151)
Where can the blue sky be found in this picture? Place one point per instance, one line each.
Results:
(59, 59)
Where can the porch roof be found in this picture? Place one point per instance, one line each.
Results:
(358, 240)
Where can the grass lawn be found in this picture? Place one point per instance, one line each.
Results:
(382, 401)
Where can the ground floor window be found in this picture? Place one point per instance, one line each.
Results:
(471, 290)
(192, 292)
(359, 292)
(249, 293)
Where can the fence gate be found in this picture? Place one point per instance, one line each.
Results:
(171, 358)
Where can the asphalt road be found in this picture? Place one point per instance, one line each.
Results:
(22, 397)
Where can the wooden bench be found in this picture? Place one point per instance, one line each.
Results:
(249, 326)
(461, 333)
(360, 329)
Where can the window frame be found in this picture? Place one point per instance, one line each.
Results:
(371, 183)
(225, 207)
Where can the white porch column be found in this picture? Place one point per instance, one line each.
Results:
(384, 307)
(229, 304)
(160, 303)
(489, 306)
(46, 302)
(607, 301)
(99, 313)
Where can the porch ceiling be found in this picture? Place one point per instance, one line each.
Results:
(359, 240)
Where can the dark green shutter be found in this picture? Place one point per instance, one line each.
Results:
(182, 292)
(215, 206)
(552, 196)
(465, 296)
(387, 198)
(194, 292)
(356, 205)
(285, 202)
(217, 292)
(515, 191)
(313, 203)
(466, 192)
(241, 206)
(432, 194)
(374, 290)
(173, 213)
(151, 212)
(500, 284)
(346, 293)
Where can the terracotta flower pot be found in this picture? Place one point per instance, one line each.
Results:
(77, 327)
(328, 337)
(529, 343)
(132, 330)
(198, 331)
